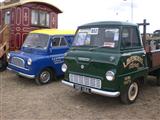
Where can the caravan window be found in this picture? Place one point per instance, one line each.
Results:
(7, 17)
(34, 19)
(40, 18)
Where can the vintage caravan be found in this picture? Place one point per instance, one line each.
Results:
(19, 17)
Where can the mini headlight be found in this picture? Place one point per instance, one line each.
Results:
(8, 56)
(29, 62)
(64, 67)
(110, 75)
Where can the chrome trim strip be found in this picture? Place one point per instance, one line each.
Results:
(23, 74)
(158, 50)
(18, 66)
(26, 75)
(96, 91)
(67, 83)
(83, 59)
(105, 93)
(130, 53)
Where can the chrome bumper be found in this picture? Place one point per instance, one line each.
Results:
(96, 91)
(22, 74)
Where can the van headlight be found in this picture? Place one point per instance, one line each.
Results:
(8, 56)
(65, 54)
(64, 67)
(110, 75)
(29, 61)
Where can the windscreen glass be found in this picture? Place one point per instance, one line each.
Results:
(100, 37)
(39, 41)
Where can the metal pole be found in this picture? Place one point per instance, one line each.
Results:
(132, 10)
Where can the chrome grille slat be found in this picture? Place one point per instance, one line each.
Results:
(19, 62)
(83, 80)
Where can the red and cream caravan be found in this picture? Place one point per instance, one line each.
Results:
(22, 16)
(18, 18)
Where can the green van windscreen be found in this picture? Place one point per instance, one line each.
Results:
(99, 37)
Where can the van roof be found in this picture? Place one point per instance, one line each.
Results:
(54, 32)
(106, 23)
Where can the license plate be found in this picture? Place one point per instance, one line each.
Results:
(82, 88)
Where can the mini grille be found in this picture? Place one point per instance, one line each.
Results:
(83, 80)
(17, 62)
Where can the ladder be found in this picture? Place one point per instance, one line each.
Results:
(4, 40)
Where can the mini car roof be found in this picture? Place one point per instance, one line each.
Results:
(54, 32)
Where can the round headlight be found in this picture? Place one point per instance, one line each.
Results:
(8, 56)
(29, 62)
(64, 67)
(110, 75)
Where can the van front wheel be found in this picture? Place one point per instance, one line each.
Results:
(44, 77)
(130, 94)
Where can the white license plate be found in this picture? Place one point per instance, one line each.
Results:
(82, 88)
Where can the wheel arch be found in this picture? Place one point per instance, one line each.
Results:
(46, 67)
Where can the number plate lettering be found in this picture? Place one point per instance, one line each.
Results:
(82, 88)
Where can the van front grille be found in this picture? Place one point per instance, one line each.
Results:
(86, 81)
(19, 62)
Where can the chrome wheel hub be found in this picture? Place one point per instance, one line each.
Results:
(133, 91)
(45, 76)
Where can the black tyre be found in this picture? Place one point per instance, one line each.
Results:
(3, 64)
(130, 94)
(158, 80)
(45, 76)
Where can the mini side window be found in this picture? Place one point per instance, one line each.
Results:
(55, 42)
(63, 42)
(59, 41)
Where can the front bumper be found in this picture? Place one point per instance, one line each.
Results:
(22, 74)
(96, 91)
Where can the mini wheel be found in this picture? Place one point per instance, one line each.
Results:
(130, 95)
(3, 64)
(45, 76)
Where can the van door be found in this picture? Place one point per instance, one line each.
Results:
(132, 51)
(59, 46)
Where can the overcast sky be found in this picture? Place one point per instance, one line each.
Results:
(78, 12)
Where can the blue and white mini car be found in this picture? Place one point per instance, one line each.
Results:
(42, 55)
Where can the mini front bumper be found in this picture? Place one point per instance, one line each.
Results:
(96, 91)
(22, 74)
